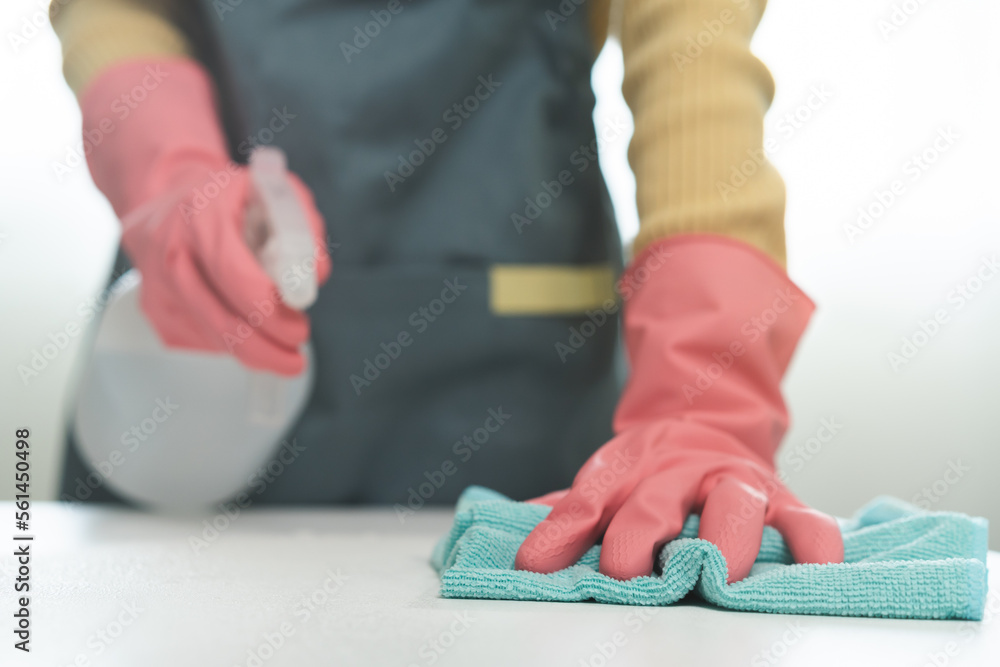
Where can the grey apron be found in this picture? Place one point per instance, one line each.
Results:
(426, 131)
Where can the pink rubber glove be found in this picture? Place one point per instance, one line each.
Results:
(163, 166)
(710, 327)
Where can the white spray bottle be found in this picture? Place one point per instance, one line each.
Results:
(183, 430)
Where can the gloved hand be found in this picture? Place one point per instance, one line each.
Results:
(710, 328)
(183, 203)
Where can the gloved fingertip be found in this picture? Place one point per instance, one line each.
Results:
(284, 328)
(292, 366)
(549, 548)
(740, 567)
(284, 363)
(293, 326)
(324, 266)
(733, 520)
(627, 555)
(526, 560)
(812, 536)
(291, 370)
(739, 556)
(532, 559)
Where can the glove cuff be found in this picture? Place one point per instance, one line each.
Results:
(146, 121)
(710, 326)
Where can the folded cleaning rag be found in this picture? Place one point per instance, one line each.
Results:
(900, 562)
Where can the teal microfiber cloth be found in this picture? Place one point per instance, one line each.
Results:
(900, 562)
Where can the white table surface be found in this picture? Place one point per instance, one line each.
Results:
(115, 587)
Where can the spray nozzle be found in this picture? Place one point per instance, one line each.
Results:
(278, 231)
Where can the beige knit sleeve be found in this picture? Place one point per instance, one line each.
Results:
(699, 96)
(97, 33)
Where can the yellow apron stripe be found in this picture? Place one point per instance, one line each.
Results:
(549, 289)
